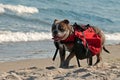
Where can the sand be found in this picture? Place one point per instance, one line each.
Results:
(46, 69)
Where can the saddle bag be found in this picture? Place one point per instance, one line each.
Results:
(80, 50)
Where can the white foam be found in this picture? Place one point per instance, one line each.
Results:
(113, 36)
(18, 9)
(8, 36)
(2, 10)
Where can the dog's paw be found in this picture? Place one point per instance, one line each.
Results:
(65, 64)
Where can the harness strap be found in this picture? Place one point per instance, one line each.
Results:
(87, 49)
(68, 42)
(86, 44)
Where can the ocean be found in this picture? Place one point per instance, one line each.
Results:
(25, 25)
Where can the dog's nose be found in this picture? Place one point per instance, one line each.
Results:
(55, 32)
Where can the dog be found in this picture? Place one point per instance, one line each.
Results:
(61, 30)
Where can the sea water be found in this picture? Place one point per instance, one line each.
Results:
(25, 24)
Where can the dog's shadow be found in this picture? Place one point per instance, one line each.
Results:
(50, 67)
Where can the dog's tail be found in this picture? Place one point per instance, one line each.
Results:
(105, 49)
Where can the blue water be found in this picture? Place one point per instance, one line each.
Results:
(22, 21)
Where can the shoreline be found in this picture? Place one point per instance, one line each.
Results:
(29, 50)
(106, 57)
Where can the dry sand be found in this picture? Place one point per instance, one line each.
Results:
(46, 69)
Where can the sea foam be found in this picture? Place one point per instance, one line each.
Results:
(113, 36)
(19, 9)
(8, 36)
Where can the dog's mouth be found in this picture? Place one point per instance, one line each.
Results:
(58, 38)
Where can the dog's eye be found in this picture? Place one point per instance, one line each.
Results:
(61, 29)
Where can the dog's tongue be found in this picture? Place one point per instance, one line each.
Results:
(56, 38)
(53, 38)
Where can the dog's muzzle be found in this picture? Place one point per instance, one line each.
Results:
(57, 38)
(58, 35)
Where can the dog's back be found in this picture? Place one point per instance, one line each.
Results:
(100, 33)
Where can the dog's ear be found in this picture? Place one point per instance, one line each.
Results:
(66, 21)
(55, 20)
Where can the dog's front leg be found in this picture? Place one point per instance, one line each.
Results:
(70, 56)
(62, 56)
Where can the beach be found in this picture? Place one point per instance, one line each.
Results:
(26, 45)
(46, 69)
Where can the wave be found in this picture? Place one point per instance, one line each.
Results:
(90, 16)
(19, 9)
(113, 36)
(28, 19)
(8, 36)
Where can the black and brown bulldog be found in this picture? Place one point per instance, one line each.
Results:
(61, 30)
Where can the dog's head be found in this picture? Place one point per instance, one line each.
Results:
(61, 29)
